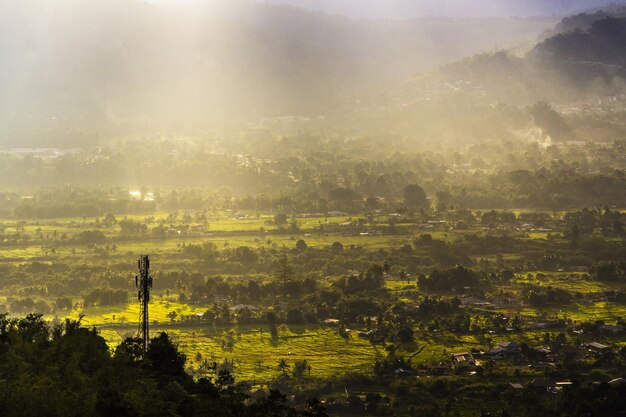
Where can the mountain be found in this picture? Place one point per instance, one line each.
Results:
(504, 95)
(565, 67)
(408, 9)
(584, 21)
(74, 71)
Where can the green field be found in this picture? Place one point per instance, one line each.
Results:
(252, 350)
(256, 354)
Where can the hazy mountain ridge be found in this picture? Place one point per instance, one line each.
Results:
(407, 9)
(568, 66)
(499, 95)
(583, 21)
(131, 65)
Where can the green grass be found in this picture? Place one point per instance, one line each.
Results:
(256, 354)
(575, 282)
(126, 314)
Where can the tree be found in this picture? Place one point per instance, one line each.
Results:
(91, 237)
(315, 408)
(109, 220)
(245, 255)
(172, 315)
(372, 400)
(283, 365)
(300, 367)
(405, 335)
(283, 271)
(130, 350)
(574, 235)
(618, 227)
(280, 219)
(414, 196)
(372, 203)
(294, 316)
(67, 370)
(336, 247)
(301, 245)
(163, 356)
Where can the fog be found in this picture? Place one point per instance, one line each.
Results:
(75, 73)
(182, 65)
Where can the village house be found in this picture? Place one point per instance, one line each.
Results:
(331, 322)
(504, 350)
(462, 360)
(597, 348)
(547, 324)
(475, 302)
(241, 307)
(540, 384)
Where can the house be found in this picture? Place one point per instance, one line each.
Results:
(562, 384)
(241, 307)
(403, 372)
(312, 215)
(463, 359)
(598, 348)
(505, 350)
(540, 384)
(475, 302)
(542, 350)
(546, 324)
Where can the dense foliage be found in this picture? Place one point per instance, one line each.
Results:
(68, 370)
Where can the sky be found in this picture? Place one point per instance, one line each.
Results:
(409, 9)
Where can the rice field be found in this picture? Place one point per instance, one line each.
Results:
(251, 348)
(255, 354)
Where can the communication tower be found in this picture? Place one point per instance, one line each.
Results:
(143, 282)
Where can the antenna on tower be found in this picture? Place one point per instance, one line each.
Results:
(143, 282)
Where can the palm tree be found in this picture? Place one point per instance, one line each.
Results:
(301, 367)
(283, 365)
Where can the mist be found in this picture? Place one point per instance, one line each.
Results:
(170, 65)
